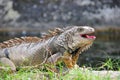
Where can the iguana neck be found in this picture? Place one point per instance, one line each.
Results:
(53, 46)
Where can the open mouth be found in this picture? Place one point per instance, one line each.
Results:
(88, 36)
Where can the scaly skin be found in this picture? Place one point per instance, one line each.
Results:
(65, 46)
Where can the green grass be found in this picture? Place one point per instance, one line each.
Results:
(73, 74)
(110, 64)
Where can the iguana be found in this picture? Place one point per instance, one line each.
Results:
(59, 45)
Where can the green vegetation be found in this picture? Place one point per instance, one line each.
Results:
(73, 74)
(110, 64)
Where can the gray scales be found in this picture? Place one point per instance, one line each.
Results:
(63, 45)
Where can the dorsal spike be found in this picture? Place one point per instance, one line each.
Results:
(52, 33)
(17, 41)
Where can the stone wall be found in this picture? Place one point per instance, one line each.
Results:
(52, 13)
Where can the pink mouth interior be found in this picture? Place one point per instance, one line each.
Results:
(88, 36)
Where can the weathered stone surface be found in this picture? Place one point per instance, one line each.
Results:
(94, 74)
(45, 13)
(114, 75)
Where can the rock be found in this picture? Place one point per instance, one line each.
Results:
(114, 75)
(87, 74)
(10, 13)
(28, 13)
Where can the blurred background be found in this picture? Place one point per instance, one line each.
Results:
(34, 17)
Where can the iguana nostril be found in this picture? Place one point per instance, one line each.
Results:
(91, 29)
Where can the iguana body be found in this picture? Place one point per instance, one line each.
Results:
(64, 45)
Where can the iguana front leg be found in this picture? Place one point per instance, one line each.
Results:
(7, 62)
(76, 56)
(74, 59)
(52, 61)
(70, 60)
(54, 58)
(67, 59)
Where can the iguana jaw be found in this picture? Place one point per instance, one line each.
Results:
(87, 36)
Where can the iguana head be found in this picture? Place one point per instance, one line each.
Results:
(77, 37)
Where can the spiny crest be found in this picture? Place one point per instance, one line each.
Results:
(17, 41)
(55, 32)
